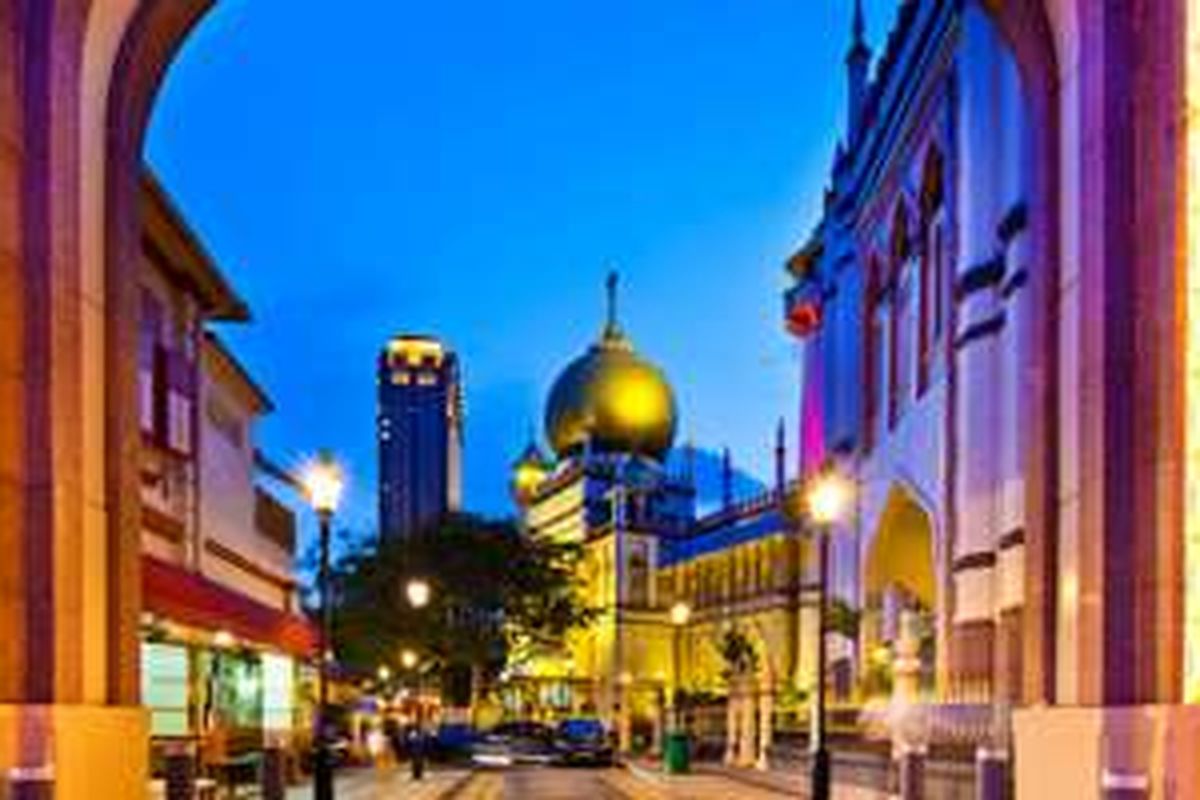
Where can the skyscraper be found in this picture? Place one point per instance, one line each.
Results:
(420, 433)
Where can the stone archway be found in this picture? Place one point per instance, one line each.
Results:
(77, 80)
(900, 587)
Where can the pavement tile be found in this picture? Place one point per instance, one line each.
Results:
(387, 784)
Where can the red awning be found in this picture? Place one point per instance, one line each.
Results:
(191, 599)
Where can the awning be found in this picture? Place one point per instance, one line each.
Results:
(191, 599)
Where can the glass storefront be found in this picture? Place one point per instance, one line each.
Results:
(191, 690)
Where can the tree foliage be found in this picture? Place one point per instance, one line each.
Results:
(491, 587)
(738, 652)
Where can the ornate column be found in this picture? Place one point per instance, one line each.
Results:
(731, 724)
(766, 731)
(978, 320)
(747, 751)
(624, 717)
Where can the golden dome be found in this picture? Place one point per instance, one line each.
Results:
(528, 473)
(613, 398)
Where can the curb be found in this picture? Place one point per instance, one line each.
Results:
(643, 773)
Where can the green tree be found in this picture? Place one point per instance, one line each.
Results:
(492, 590)
(741, 659)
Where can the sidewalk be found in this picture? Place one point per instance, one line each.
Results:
(370, 783)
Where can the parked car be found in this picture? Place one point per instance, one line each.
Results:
(512, 743)
(583, 742)
(453, 742)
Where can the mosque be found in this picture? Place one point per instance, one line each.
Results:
(704, 606)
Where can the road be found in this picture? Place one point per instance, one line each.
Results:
(543, 783)
(536, 783)
(603, 784)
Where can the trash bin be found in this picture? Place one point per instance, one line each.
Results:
(676, 758)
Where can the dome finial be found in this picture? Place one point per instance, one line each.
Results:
(611, 329)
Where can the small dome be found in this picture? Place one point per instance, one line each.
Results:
(612, 398)
(528, 473)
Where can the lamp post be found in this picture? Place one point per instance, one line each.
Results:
(681, 612)
(826, 498)
(323, 483)
(418, 592)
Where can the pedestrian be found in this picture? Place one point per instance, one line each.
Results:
(416, 750)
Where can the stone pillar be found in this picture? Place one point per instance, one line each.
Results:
(978, 323)
(747, 750)
(659, 724)
(732, 715)
(766, 730)
(910, 770)
(624, 718)
(906, 663)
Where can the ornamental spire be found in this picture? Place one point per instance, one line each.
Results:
(860, 27)
(612, 337)
(610, 284)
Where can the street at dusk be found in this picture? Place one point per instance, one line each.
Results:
(668, 400)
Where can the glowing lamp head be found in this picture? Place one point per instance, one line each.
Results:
(223, 639)
(409, 659)
(828, 498)
(680, 614)
(383, 673)
(323, 483)
(418, 593)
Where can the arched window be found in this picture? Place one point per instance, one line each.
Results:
(871, 349)
(901, 327)
(933, 278)
(639, 574)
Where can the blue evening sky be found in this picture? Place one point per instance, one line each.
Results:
(471, 169)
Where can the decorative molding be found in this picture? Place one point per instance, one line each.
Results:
(236, 559)
(980, 276)
(978, 330)
(1014, 282)
(1015, 221)
(985, 559)
(162, 525)
(1014, 538)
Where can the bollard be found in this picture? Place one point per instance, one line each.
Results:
(274, 780)
(1121, 785)
(180, 774)
(911, 768)
(991, 774)
(31, 783)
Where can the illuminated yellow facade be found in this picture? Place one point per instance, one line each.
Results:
(611, 419)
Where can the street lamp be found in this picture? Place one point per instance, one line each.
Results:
(681, 612)
(409, 660)
(323, 483)
(418, 593)
(826, 499)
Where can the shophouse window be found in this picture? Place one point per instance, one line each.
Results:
(165, 687)
(149, 334)
(279, 692)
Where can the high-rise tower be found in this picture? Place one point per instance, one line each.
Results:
(420, 420)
